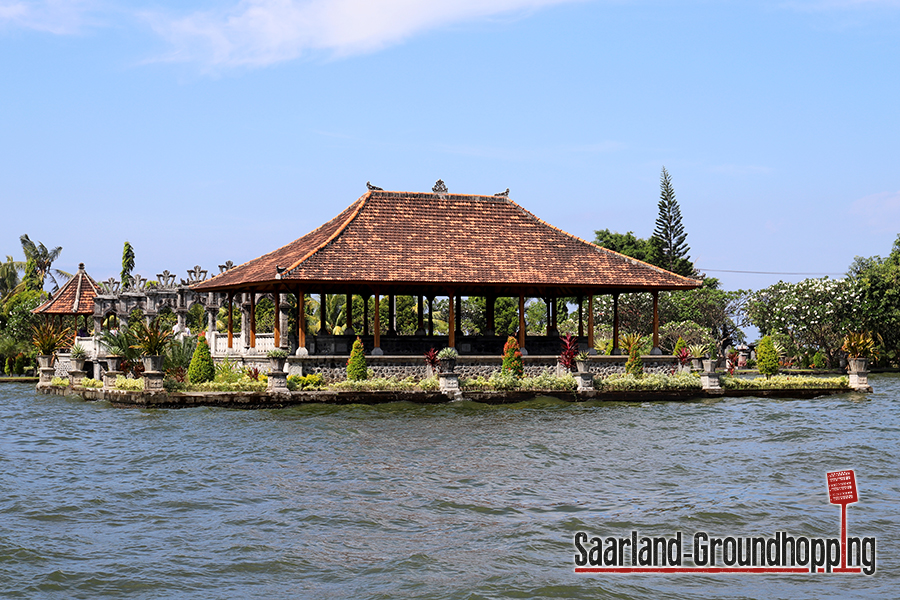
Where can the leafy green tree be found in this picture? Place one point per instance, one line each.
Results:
(127, 264)
(18, 316)
(9, 276)
(878, 280)
(512, 358)
(41, 259)
(627, 244)
(767, 357)
(506, 315)
(356, 365)
(202, 368)
(669, 236)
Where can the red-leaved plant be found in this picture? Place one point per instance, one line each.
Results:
(431, 359)
(569, 350)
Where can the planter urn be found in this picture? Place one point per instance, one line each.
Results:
(581, 365)
(448, 365)
(695, 363)
(709, 366)
(78, 364)
(277, 364)
(113, 362)
(152, 363)
(858, 365)
(44, 361)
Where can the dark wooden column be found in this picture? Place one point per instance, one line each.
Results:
(451, 325)
(459, 315)
(656, 350)
(349, 311)
(277, 330)
(376, 326)
(521, 321)
(591, 324)
(323, 305)
(580, 316)
(392, 315)
(230, 318)
(366, 315)
(253, 319)
(615, 349)
(489, 305)
(430, 316)
(420, 327)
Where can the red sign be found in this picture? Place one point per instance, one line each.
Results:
(842, 487)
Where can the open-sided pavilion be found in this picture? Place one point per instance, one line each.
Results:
(439, 245)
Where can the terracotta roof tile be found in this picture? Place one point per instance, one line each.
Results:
(425, 238)
(75, 297)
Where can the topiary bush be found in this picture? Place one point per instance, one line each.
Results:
(356, 365)
(202, 368)
(634, 365)
(512, 358)
(678, 346)
(767, 357)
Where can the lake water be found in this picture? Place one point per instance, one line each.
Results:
(452, 501)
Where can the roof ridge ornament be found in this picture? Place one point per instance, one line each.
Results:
(195, 275)
(504, 194)
(440, 188)
(226, 267)
(374, 188)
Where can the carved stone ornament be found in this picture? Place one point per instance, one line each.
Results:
(226, 267)
(373, 187)
(440, 187)
(195, 275)
(137, 283)
(166, 279)
(110, 286)
(504, 194)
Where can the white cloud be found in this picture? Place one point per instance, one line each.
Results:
(262, 32)
(880, 211)
(51, 16)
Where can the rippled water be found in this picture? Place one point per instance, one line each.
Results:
(403, 501)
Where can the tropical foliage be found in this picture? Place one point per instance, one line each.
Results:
(356, 364)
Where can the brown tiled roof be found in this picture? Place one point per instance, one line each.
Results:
(75, 297)
(419, 239)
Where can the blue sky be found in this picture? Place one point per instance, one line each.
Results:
(209, 131)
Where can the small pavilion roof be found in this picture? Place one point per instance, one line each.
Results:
(75, 297)
(415, 241)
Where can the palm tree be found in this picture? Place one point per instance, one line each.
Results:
(9, 276)
(43, 260)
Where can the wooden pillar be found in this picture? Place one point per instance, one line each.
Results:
(591, 324)
(322, 307)
(656, 349)
(547, 306)
(392, 315)
(459, 314)
(253, 319)
(377, 324)
(580, 316)
(420, 327)
(521, 321)
(430, 316)
(301, 318)
(615, 349)
(451, 325)
(553, 316)
(366, 315)
(349, 310)
(277, 330)
(489, 302)
(230, 319)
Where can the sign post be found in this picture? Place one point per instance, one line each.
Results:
(842, 490)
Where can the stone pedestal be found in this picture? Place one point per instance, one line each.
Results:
(859, 381)
(153, 381)
(109, 379)
(46, 376)
(709, 380)
(277, 382)
(75, 377)
(448, 382)
(585, 380)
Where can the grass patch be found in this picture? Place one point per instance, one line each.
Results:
(784, 382)
(622, 382)
(59, 382)
(91, 383)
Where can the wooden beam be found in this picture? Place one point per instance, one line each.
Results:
(615, 349)
(253, 319)
(430, 316)
(366, 315)
(451, 325)
(323, 305)
(590, 323)
(377, 323)
(349, 311)
(655, 349)
(301, 318)
(580, 316)
(521, 320)
(420, 327)
(230, 319)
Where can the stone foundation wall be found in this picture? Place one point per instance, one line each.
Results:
(334, 368)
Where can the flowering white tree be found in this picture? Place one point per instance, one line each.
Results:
(813, 313)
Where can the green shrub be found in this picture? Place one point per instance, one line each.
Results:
(59, 382)
(172, 385)
(429, 384)
(634, 365)
(678, 346)
(785, 382)
(9, 365)
(376, 385)
(228, 371)
(649, 381)
(356, 365)
(767, 357)
(243, 384)
(512, 358)
(91, 383)
(818, 360)
(313, 381)
(134, 385)
(202, 368)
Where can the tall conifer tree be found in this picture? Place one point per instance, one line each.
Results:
(669, 237)
(127, 265)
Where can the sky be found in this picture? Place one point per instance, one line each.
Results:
(205, 131)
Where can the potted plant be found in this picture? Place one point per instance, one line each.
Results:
(447, 358)
(119, 347)
(581, 361)
(710, 365)
(277, 358)
(698, 353)
(78, 356)
(47, 338)
(859, 348)
(152, 340)
(684, 357)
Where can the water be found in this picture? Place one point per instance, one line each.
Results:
(403, 501)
